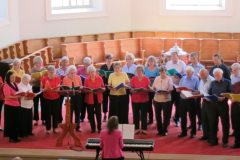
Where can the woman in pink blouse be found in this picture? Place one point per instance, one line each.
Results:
(1, 100)
(11, 108)
(111, 141)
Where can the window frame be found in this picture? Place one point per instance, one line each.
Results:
(6, 21)
(72, 7)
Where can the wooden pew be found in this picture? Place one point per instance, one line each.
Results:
(191, 45)
(184, 35)
(72, 39)
(133, 46)
(152, 47)
(114, 47)
(140, 34)
(203, 35)
(105, 36)
(236, 35)
(222, 35)
(56, 43)
(89, 38)
(19, 49)
(32, 45)
(164, 34)
(208, 48)
(5, 53)
(170, 43)
(122, 35)
(95, 50)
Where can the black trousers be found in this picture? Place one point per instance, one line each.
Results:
(25, 127)
(76, 102)
(188, 105)
(137, 107)
(1, 104)
(52, 112)
(11, 117)
(105, 100)
(219, 109)
(175, 100)
(83, 107)
(119, 107)
(159, 107)
(120, 158)
(35, 104)
(235, 117)
(149, 106)
(206, 118)
(199, 111)
(60, 118)
(95, 108)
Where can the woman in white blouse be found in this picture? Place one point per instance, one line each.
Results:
(25, 128)
(162, 100)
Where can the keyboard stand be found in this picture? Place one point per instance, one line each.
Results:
(97, 154)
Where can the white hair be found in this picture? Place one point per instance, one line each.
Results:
(131, 56)
(26, 77)
(64, 58)
(189, 68)
(87, 60)
(72, 67)
(16, 60)
(51, 68)
(37, 59)
(235, 65)
(154, 60)
(217, 70)
(89, 68)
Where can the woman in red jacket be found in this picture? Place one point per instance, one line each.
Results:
(1, 100)
(111, 141)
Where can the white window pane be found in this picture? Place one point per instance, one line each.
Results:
(65, 2)
(58, 3)
(79, 2)
(73, 2)
(53, 3)
(86, 2)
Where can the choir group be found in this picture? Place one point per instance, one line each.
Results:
(150, 86)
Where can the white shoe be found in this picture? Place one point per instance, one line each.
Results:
(55, 130)
(48, 132)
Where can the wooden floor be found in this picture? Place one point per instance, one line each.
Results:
(44, 154)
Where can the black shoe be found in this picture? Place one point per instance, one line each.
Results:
(150, 122)
(193, 136)
(231, 135)
(159, 133)
(213, 143)
(12, 140)
(36, 124)
(137, 132)
(182, 135)
(164, 134)
(18, 140)
(31, 134)
(203, 138)
(99, 131)
(200, 127)
(104, 118)
(93, 131)
(176, 124)
(235, 146)
(81, 120)
(189, 127)
(224, 145)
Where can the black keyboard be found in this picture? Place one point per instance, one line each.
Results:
(135, 145)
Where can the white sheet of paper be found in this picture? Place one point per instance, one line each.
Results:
(187, 94)
(128, 131)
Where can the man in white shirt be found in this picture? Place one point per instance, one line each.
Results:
(180, 66)
(205, 82)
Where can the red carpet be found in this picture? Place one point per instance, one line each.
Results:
(169, 144)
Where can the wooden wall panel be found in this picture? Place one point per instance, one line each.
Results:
(56, 43)
(164, 34)
(222, 35)
(229, 50)
(140, 34)
(203, 35)
(184, 35)
(152, 46)
(96, 51)
(113, 47)
(236, 35)
(89, 38)
(72, 39)
(36, 44)
(170, 43)
(105, 36)
(208, 48)
(191, 45)
(122, 35)
(131, 46)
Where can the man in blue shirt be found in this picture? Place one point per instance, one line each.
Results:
(197, 67)
(188, 104)
(219, 108)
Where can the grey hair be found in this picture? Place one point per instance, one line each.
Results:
(117, 63)
(64, 58)
(154, 60)
(16, 60)
(72, 67)
(174, 53)
(89, 68)
(26, 77)
(162, 68)
(51, 68)
(109, 55)
(194, 54)
(189, 68)
(235, 65)
(217, 70)
(140, 66)
(205, 70)
(37, 59)
(87, 60)
(131, 56)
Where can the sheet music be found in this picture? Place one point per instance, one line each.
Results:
(127, 130)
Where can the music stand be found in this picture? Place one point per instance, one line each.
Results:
(68, 127)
